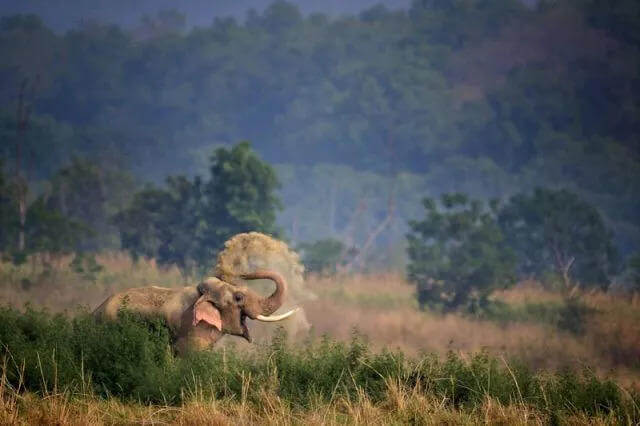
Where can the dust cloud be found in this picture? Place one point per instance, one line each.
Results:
(248, 252)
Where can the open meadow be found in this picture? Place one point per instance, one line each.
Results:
(371, 357)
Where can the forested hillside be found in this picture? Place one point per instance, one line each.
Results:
(64, 14)
(362, 115)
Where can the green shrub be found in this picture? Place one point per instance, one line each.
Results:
(131, 359)
(46, 351)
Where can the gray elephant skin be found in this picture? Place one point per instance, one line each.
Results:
(198, 316)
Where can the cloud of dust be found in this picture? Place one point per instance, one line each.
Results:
(248, 252)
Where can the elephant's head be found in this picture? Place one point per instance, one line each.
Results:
(226, 306)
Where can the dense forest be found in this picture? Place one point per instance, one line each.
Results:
(65, 14)
(361, 116)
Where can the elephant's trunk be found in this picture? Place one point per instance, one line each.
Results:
(272, 303)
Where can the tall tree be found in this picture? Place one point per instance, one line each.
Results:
(240, 195)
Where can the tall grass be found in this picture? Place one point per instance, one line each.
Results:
(534, 324)
(131, 359)
(415, 367)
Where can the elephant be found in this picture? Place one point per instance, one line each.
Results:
(198, 316)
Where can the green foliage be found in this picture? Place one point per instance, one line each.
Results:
(240, 195)
(322, 256)
(73, 216)
(60, 352)
(91, 193)
(165, 224)
(130, 359)
(135, 349)
(457, 254)
(187, 222)
(48, 230)
(549, 227)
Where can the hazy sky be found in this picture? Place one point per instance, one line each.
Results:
(63, 14)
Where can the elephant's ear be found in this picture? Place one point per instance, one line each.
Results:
(203, 310)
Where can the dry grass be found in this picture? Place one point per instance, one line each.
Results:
(383, 307)
(401, 406)
(56, 287)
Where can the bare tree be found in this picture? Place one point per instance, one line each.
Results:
(358, 260)
(349, 238)
(22, 121)
(23, 115)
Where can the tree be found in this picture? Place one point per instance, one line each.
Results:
(91, 193)
(49, 231)
(187, 222)
(165, 224)
(458, 255)
(555, 230)
(239, 196)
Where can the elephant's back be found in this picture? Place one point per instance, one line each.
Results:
(146, 300)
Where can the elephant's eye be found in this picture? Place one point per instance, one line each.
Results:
(239, 297)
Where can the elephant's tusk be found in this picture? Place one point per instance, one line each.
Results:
(273, 318)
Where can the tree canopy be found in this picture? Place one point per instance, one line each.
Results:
(186, 222)
(555, 230)
(458, 255)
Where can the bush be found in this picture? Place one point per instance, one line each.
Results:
(124, 358)
(130, 359)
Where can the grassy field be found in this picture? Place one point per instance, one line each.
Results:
(371, 357)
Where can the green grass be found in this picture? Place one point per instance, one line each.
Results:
(131, 359)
